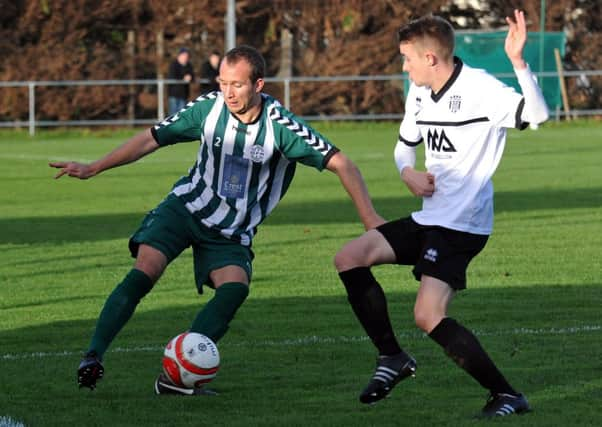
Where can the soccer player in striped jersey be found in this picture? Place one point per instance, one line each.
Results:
(249, 148)
(461, 114)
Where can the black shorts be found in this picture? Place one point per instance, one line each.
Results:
(436, 251)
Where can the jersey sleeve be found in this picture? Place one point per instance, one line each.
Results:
(536, 109)
(298, 142)
(185, 125)
(409, 132)
(502, 104)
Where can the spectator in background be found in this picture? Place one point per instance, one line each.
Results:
(179, 69)
(210, 71)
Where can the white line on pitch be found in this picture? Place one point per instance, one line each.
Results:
(315, 339)
(6, 421)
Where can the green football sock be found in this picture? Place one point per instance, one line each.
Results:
(214, 318)
(118, 309)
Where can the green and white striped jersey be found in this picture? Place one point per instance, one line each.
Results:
(242, 170)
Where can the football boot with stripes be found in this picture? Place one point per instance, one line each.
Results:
(90, 370)
(389, 371)
(502, 404)
(163, 385)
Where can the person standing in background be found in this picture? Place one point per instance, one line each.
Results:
(210, 71)
(179, 69)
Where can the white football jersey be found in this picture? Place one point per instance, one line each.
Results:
(463, 128)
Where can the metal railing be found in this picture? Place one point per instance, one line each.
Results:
(32, 123)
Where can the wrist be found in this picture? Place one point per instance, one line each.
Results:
(404, 172)
(518, 63)
(94, 168)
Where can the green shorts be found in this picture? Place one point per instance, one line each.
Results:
(170, 228)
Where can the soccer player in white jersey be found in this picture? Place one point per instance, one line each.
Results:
(249, 147)
(461, 115)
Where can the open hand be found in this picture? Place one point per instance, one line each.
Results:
(516, 38)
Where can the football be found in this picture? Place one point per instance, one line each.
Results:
(190, 360)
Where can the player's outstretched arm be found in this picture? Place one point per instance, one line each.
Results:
(354, 184)
(516, 39)
(536, 110)
(136, 147)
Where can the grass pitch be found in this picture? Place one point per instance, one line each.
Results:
(295, 354)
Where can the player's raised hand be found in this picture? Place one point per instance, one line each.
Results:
(74, 169)
(516, 38)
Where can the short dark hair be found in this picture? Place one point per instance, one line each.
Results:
(252, 56)
(429, 27)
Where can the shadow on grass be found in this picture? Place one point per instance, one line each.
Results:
(113, 226)
(500, 310)
(302, 359)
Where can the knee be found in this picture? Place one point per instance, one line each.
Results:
(152, 271)
(152, 263)
(352, 255)
(425, 318)
(343, 260)
(421, 318)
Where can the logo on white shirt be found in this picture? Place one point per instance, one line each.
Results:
(418, 105)
(439, 141)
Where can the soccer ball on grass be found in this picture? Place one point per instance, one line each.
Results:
(190, 360)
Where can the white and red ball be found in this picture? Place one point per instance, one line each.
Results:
(190, 360)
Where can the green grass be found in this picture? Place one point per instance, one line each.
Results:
(295, 355)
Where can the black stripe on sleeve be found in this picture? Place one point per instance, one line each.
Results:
(519, 112)
(154, 133)
(409, 143)
(331, 153)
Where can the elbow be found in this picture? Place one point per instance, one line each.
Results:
(542, 116)
(339, 163)
(537, 117)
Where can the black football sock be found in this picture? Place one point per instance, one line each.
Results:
(465, 350)
(212, 321)
(370, 306)
(118, 309)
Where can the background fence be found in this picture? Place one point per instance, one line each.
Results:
(32, 122)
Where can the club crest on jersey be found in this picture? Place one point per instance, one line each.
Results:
(454, 103)
(257, 153)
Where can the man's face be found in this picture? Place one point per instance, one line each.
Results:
(214, 60)
(235, 83)
(183, 58)
(415, 63)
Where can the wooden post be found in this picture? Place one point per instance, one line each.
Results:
(160, 75)
(286, 53)
(565, 99)
(131, 49)
(160, 52)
